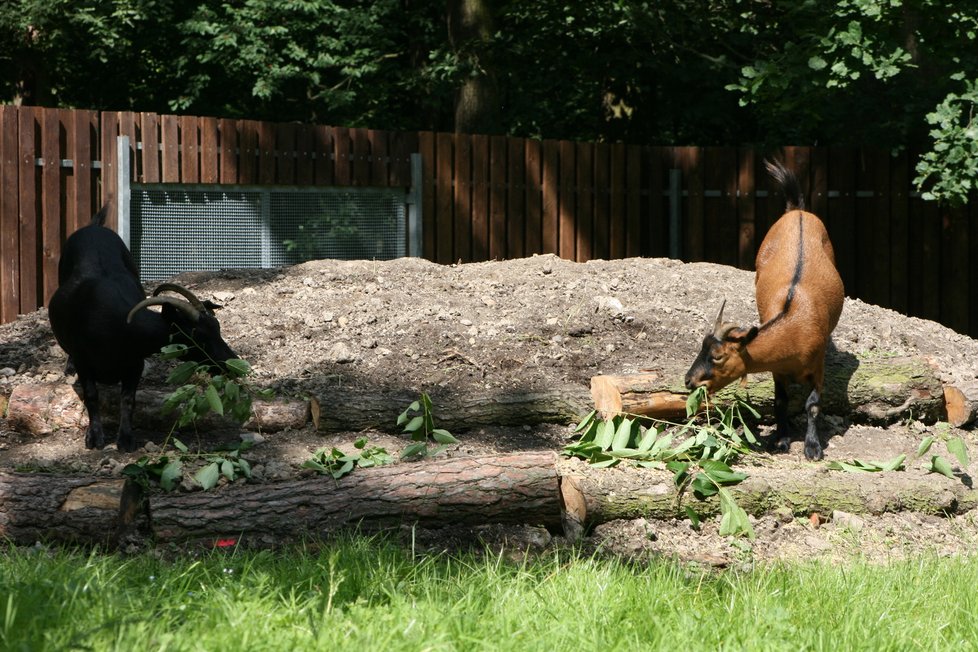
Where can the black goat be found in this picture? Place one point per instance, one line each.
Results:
(98, 319)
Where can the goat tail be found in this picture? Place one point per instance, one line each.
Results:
(788, 182)
(99, 218)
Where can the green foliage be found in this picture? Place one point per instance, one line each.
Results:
(949, 170)
(861, 466)
(955, 446)
(336, 463)
(421, 426)
(205, 387)
(168, 472)
(699, 452)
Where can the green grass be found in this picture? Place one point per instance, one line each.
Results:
(365, 594)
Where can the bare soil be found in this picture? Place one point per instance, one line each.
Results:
(483, 330)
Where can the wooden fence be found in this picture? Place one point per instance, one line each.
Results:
(495, 197)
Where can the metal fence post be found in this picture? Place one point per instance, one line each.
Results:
(415, 243)
(123, 177)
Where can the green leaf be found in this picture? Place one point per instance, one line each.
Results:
(403, 416)
(443, 436)
(956, 447)
(227, 470)
(360, 442)
(720, 473)
(414, 424)
(734, 520)
(894, 464)
(214, 400)
(606, 434)
(238, 366)
(622, 435)
(924, 446)
(208, 476)
(586, 422)
(413, 450)
(694, 518)
(244, 467)
(702, 487)
(171, 474)
(940, 465)
(181, 373)
(694, 401)
(172, 351)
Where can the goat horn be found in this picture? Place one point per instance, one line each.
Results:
(179, 289)
(719, 323)
(184, 306)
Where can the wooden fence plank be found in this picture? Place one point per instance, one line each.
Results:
(865, 241)
(656, 239)
(109, 129)
(248, 152)
(720, 212)
(149, 128)
(342, 157)
(84, 150)
(954, 277)
(616, 222)
(899, 232)
(361, 157)
(429, 181)
(128, 127)
(210, 153)
(189, 149)
(379, 157)
(227, 132)
(444, 200)
(879, 164)
(534, 198)
(27, 214)
(567, 209)
(516, 198)
(551, 189)
(480, 200)
(9, 221)
(842, 213)
(818, 197)
(170, 147)
(746, 207)
(601, 223)
(497, 197)
(585, 202)
(285, 154)
(688, 160)
(305, 155)
(402, 145)
(51, 191)
(633, 201)
(266, 153)
(324, 156)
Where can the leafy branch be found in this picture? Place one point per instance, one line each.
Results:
(698, 453)
(422, 429)
(169, 472)
(336, 463)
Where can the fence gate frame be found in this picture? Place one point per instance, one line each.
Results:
(412, 201)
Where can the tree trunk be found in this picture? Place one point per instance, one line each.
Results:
(873, 390)
(469, 31)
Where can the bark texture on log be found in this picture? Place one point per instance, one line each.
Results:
(344, 409)
(872, 390)
(43, 408)
(652, 494)
(520, 488)
(71, 509)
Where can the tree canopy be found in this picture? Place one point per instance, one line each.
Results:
(890, 73)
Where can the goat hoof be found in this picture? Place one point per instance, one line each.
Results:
(782, 444)
(126, 444)
(93, 440)
(813, 452)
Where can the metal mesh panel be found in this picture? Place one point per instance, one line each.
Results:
(191, 228)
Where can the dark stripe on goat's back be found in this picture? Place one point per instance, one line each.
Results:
(796, 278)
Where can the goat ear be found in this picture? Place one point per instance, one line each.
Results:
(741, 335)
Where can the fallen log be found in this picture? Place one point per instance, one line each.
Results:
(528, 488)
(40, 409)
(871, 390)
(602, 495)
(67, 509)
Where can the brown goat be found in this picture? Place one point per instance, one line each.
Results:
(799, 301)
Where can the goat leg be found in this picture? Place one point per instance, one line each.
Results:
(782, 434)
(125, 441)
(95, 436)
(813, 447)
